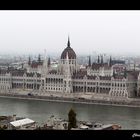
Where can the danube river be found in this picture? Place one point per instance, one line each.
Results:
(40, 111)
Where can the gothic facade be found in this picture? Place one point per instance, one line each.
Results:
(112, 79)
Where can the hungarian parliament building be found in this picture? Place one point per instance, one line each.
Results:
(111, 78)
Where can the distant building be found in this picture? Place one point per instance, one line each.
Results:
(118, 62)
(111, 78)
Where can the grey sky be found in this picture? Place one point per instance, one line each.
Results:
(90, 31)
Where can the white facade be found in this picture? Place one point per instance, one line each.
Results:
(68, 78)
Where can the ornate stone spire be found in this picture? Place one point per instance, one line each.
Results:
(45, 65)
(89, 62)
(49, 62)
(68, 44)
(134, 66)
(29, 61)
(110, 61)
(102, 61)
(98, 61)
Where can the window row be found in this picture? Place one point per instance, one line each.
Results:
(50, 88)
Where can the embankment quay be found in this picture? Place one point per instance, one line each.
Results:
(131, 102)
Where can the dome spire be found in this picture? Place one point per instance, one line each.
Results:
(70, 51)
(68, 44)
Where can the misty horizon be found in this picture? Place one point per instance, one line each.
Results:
(91, 32)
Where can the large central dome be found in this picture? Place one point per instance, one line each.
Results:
(70, 51)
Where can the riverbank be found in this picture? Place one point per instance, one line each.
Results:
(130, 103)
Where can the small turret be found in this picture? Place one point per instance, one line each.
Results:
(29, 61)
(110, 61)
(89, 62)
(134, 66)
(102, 61)
(49, 62)
(45, 66)
(98, 61)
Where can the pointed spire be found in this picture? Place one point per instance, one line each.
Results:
(49, 61)
(98, 59)
(134, 66)
(68, 44)
(102, 61)
(89, 62)
(110, 61)
(29, 61)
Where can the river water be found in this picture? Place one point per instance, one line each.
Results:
(40, 111)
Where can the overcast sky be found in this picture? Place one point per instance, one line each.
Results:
(90, 31)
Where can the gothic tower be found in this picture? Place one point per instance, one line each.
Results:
(67, 77)
(72, 59)
(89, 62)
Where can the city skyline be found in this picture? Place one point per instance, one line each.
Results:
(113, 32)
